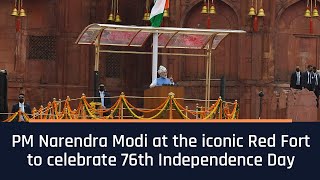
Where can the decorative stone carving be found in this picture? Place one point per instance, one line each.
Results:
(303, 107)
(279, 5)
(282, 5)
(235, 4)
(298, 105)
(282, 100)
(275, 101)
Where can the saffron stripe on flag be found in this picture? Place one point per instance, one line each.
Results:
(156, 15)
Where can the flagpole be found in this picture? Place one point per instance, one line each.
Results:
(156, 16)
(154, 56)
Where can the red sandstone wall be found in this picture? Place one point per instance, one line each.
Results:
(250, 62)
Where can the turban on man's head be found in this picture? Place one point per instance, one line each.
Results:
(162, 69)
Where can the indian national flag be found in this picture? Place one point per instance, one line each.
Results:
(156, 15)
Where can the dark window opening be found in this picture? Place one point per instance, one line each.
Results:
(42, 47)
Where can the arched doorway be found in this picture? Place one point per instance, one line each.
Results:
(295, 45)
(225, 57)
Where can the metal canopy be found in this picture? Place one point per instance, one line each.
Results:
(136, 36)
(163, 37)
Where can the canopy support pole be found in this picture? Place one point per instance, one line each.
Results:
(208, 73)
(154, 56)
(96, 69)
(209, 77)
(207, 82)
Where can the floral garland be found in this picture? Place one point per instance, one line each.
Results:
(219, 110)
(165, 106)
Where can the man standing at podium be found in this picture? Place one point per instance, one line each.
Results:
(163, 79)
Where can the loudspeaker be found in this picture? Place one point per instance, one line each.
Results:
(3, 95)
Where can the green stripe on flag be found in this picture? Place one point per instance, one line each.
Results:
(156, 20)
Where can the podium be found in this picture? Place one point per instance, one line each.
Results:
(162, 91)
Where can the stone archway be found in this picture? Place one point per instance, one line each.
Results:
(295, 45)
(195, 3)
(283, 6)
(226, 55)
